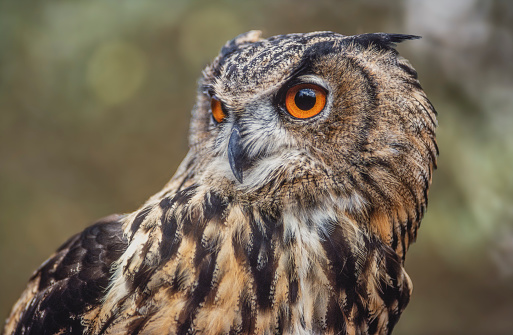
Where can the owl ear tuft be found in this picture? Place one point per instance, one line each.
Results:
(382, 40)
(245, 38)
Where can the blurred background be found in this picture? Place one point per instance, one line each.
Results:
(95, 99)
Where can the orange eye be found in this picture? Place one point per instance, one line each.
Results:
(217, 110)
(305, 100)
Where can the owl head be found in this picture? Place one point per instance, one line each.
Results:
(302, 120)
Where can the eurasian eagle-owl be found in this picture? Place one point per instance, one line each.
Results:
(310, 161)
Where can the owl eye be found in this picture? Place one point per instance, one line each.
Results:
(217, 110)
(305, 100)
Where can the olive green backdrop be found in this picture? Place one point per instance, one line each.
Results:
(95, 98)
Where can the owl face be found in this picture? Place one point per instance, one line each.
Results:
(323, 114)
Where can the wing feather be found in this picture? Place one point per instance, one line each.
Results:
(70, 282)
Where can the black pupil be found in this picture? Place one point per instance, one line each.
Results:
(305, 99)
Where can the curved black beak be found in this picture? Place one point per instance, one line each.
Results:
(236, 154)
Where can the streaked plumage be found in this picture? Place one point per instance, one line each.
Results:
(272, 223)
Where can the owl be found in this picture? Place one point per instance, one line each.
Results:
(310, 161)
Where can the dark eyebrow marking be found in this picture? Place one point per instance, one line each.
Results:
(208, 89)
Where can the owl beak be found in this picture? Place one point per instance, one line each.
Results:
(236, 155)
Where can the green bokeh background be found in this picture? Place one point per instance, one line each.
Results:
(95, 98)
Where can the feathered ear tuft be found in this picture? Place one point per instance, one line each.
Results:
(245, 38)
(382, 40)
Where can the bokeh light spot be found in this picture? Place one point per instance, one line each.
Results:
(116, 71)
